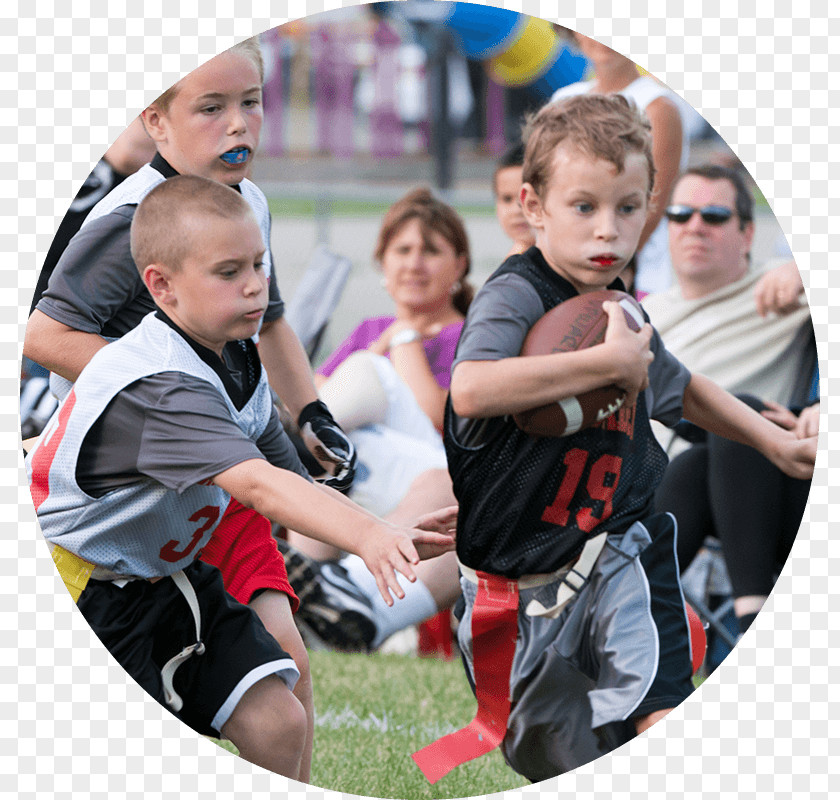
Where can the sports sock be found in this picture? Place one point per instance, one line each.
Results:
(417, 605)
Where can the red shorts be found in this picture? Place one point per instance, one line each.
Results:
(246, 554)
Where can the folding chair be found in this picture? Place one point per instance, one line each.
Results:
(704, 581)
(317, 296)
(37, 405)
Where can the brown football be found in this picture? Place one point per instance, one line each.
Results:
(578, 323)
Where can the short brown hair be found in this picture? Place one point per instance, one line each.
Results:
(160, 230)
(249, 48)
(601, 126)
(514, 156)
(434, 215)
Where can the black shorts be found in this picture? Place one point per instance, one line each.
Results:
(145, 624)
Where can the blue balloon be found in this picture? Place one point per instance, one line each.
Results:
(482, 31)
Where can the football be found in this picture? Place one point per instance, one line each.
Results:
(578, 323)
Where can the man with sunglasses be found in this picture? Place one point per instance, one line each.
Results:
(715, 320)
(709, 318)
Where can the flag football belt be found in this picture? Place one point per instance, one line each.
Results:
(495, 626)
(76, 572)
(572, 576)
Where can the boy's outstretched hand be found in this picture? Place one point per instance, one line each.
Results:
(444, 520)
(630, 351)
(389, 549)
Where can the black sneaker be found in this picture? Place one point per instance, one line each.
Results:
(333, 612)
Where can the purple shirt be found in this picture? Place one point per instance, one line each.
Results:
(440, 351)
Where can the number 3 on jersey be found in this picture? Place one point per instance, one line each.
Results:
(600, 485)
(170, 552)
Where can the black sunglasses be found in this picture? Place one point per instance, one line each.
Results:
(711, 215)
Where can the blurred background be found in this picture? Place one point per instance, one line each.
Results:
(366, 102)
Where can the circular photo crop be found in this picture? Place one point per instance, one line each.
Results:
(276, 369)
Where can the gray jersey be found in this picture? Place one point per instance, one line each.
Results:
(142, 529)
(175, 429)
(96, 287)
(506, 308)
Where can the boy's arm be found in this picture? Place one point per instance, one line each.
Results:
(63, 332)
(715, 410)
(286, 364)
(327, 516)
(510, 385)
(58, 347)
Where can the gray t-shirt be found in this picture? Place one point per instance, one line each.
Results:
(176, 428)
(506, 308)
(96, 287)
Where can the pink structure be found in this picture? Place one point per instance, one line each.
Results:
(495, 140)
(386, 128)
(333, 69)
(272, 138)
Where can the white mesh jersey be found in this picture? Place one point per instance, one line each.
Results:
(143, 530)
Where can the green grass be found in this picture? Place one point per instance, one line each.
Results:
(373, 712)
(292, 207)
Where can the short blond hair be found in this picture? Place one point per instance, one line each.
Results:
(249, 48)
(602, 126)
(161, 228)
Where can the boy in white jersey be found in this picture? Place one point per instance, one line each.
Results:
(207, 124)
(205, 429)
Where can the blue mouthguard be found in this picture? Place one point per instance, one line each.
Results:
(235, 156)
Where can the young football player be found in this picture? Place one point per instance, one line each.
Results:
(134, 471)
(207, 124)
(575, 632)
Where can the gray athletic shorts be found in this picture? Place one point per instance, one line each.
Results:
(619, 650)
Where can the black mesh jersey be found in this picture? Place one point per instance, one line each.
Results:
(527, 504)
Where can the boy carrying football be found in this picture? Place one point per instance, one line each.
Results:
(575, 633)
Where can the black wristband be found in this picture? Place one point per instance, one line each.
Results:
(314, 409)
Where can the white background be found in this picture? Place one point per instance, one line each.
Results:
(74, 724)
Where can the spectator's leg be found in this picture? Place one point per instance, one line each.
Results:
(437, 585)
(684, 492)
(757, 511)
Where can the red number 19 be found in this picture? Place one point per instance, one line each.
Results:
(601, 485)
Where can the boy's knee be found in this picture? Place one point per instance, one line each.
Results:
(267, 712)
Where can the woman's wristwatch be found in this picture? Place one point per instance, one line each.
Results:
(405, 336)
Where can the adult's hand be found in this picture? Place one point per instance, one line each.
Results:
(778, 290)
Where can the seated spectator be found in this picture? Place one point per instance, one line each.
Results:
(614, 73)
(749, 329)
(386, 385)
